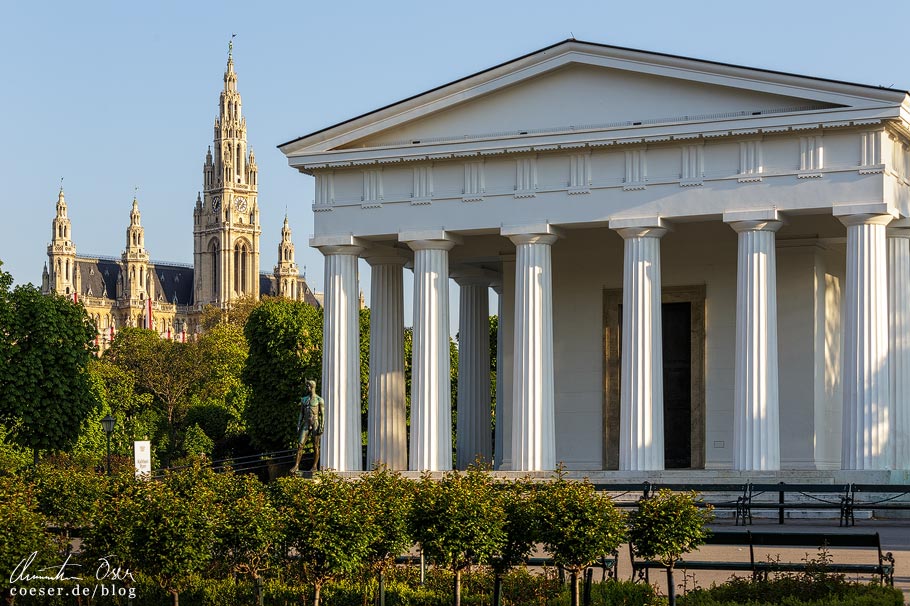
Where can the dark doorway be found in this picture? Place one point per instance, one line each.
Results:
(677, 350)
(683, 343)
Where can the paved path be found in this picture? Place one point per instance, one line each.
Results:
(895, 537)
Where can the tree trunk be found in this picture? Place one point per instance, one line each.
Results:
(176, 598)
(456, 598)
(573, 587)
(671, 590)
(318, 595)
(497, 589)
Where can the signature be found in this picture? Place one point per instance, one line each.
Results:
(106, 571)
(20, 572)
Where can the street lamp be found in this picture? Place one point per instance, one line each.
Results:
(107, 423)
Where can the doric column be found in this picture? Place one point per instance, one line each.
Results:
(641, 412)
(474, 438)
(533, 396)
(899, 336)
(505, 373)
(867, 416)
(431, 392)
(497, 432)
(341, 356)
(387, 440)
(756, 424)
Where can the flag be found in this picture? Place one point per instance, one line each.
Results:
(183, 335)
(75, 297)
(168, 333)
(148, 317)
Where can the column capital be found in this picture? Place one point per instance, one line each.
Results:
(336, 240)
(536, 233)
(755, 225)
(429, 239)
(639, 227)
(899, 228)
(753, 220)
(467, 276)
(864, 219)
(340, 250)
(385, 255)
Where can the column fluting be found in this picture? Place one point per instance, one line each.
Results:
(341, 360)
(899, 336)
(533, 399)
(431, 391)
(474, 437)
(756, 424)
(387, 440)
(641, 435)
(868, 417)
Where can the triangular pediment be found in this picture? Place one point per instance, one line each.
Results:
(580, 85)
(586, 96)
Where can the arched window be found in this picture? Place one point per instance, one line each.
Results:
(213, 256)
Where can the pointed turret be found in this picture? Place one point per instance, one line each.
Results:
(61, 252)
(286, 272)
(136, 258)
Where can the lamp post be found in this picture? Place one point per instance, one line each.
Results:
(107, 423)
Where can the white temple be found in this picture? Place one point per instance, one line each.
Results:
(699, 266)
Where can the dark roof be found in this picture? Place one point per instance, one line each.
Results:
(99, 277)
(174, 283)
(597, 44)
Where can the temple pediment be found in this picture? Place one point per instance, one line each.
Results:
(574, 86)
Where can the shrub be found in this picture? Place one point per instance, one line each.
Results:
(458, 521)
(577, 525)
(667, 525)
(323, 521)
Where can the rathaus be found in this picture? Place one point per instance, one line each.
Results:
(168, 297)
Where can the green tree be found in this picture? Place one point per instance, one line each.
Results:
(118, 394)
(247, 539)
(113, 530)
(577, 525)
(458, 521)
(46, 342)
(323, 522)
(22, 529)
(285, 341)
(168, 370)
(67, 495)
(667, 525)
(522, 529)
(175, 537)
(388, 498)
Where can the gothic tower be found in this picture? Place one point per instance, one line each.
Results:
(226, 217)
(286, 273)
(136, 276)
(61, 252)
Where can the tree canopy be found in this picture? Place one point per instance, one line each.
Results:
(285, 344)
(46, 343)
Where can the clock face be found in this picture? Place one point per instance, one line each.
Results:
(241, 204)
(216, 203)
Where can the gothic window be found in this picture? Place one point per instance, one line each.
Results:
(213, 255)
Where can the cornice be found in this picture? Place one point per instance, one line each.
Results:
(575, 139)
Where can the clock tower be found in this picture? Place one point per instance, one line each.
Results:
(226, 217)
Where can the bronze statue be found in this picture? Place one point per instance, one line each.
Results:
(309, 424)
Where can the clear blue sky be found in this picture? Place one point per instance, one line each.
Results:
(113, 95)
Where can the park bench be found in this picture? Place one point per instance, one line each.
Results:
(875, 497)
(775, 497)
(714, 495)
(883, 567)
